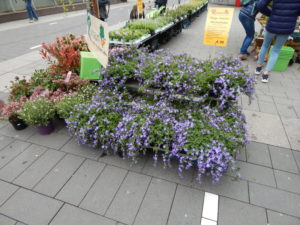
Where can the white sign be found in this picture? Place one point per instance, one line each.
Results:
(98, 39)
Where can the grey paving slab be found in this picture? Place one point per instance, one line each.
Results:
(242, 155)
(4, 141)
(33, 174)
(59, 175)
(125, 163)
(131, 193)
(70, 215)
(53, 140)
(256, 173)
(274, 199)
(272, 131)
(297, 109)
(253, 106)
(276, 218)
(103, 191)
(187, 206)
(158, 201)
(18, 223)
(283, 159)
(286, 111)
(258, 153)
(3, 123)
(284, 101)
(264, 98)
(232, 212)
(21, 162)
(20, 134)
(83, 151)
(77, 187)
(6, 190)
(268, 107)
(288, 181)
(168, 173)
(292, 128)
(226, 187)
(297, 158)
(6, 221)
(31, 208)
(11, 151)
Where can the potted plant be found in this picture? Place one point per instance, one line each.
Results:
(39, 113)
(11, 111)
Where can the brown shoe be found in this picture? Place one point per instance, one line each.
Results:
(243, 57)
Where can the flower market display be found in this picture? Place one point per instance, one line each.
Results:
(170, 104)
(158, 27)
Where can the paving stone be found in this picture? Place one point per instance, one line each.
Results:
(3, 123)
(33, 174)
(226, 187)
(271, 133)
(30, 207)
(4, 141)
(274, 199)
(53, 140)
(297, 158)
(77, 187)
(264, 98)
(158, 201)
(292, 128)
(288, 181)
(268, 107)
(187, 206)
(282, 159)
(125, 163)
(21, 162)
(80, 150)
(253, 106)
(258, 174)
(59, 175)
(232, 212)
(11, 151)
(131, 193)
(208, 222)
(286, 111)
(276, 218)
(6, 221)
(258, 153)
(284, 101)
(170, 174)
(18, 134)
(103, 191)
(6, 190)
(70, 215)
(242, 155)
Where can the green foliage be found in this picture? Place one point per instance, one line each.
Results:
(67, 104)
(38, 112)
(44, 78)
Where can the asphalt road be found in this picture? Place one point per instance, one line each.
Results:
(26, 38)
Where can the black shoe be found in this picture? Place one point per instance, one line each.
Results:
(258, 70)
(265, 78)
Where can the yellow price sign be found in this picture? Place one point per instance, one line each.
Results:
(217, 26)
(140, 6)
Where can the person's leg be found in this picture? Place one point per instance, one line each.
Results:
(248, 25)
(268, 38)
(28, 8)
(280, 40)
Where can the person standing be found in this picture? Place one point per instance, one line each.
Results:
(247, 18)
(103, 11)
(160, 3)
(281, 23)
(30, 10)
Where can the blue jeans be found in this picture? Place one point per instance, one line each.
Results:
(30, 10)
(248, 25)
(280, 40)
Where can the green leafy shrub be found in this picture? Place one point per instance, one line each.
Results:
(38, 112)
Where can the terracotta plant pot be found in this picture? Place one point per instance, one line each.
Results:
(17, 123)
(44, 130)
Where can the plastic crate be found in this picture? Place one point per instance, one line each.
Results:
(90, 67)
(281, 65)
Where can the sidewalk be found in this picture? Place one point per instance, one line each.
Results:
(52, 180)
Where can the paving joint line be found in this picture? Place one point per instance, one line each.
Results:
(173, 199)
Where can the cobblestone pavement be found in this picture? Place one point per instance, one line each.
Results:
(52, 180)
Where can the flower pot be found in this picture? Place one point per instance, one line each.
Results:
(44, 130)
(17, 123)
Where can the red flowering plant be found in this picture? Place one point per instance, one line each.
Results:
(64, 54)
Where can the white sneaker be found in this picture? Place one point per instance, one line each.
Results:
(30, 21)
